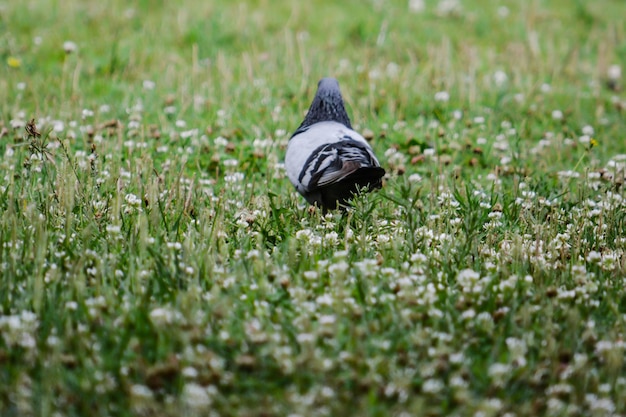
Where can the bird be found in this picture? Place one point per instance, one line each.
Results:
(326, 160)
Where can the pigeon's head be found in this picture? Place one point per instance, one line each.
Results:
(327, 105)
(328, 84)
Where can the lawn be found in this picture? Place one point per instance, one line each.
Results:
(156, 261)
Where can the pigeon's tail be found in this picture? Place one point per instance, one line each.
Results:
(370, 177)
(327, 106)
(339, 194)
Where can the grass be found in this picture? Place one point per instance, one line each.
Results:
(156, 260)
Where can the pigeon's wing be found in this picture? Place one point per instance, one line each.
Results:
(332, 163)
(331, 176)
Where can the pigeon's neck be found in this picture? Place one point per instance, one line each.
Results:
(327, 106)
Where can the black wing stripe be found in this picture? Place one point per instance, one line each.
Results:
(347, 149)
(318, 156)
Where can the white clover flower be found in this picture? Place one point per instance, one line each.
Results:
(18, 123)
(593, 257)
(196, 396)
(235, 177)
(468, 314)
(467, 276)
(141, 392)
(310, 275)
(325, 299)
(415, 178)
(185, 134)
(458, 382)
(392, 70)
(306, 338)
(132, 200)
(608, 346)
(163, 316)
(190, 372)
(339, 268)
(491, 406)
(261, 144)
(58, 126)
(457, 358)
(367, 267)
(417, 6)
(220, 141)
(600, 406)
(498, 372)
(614, 73)
(565, 294)
(588, 130)
(388, 272)
(383, 238)
(419, 258)
(518, 349)
(374, 74)
(448, 7)
(327, 392)
(559, 389)
(18, 329)
(148, 85)
(610, 261)
(442, 96)
(568, 174)
(555, 406)
(69, 47)
(432, 386)
(331, 237)
(557, 115)
(500, 78)
(113, 229)
(254, 330)
(509, 283)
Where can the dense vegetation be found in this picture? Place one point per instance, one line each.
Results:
(156, 260)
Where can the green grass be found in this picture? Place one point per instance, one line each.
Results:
(156, 260)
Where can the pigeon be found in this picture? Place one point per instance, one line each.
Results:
(326, 160)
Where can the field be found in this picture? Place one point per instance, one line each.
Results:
(156, 261)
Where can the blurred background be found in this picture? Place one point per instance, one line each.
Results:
(392, 56)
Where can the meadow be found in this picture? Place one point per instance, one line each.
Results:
(156, 261)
